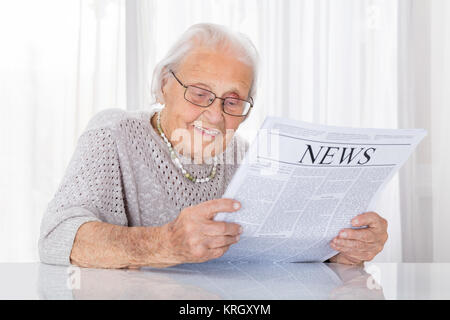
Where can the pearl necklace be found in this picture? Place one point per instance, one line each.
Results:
(177, 161)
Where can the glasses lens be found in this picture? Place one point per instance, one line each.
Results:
(236, 107)
(199, 96)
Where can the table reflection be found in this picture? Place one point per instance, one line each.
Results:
(212, 280)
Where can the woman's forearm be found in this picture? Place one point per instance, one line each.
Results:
(104, 245)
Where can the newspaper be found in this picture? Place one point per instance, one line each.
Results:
(300, 184)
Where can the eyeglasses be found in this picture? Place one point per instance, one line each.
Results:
(204, 98)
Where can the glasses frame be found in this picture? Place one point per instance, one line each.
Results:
(215, 97)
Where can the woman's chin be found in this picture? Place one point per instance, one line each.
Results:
(206, 156)
(204, 152)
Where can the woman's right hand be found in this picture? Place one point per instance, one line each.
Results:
(195, 237)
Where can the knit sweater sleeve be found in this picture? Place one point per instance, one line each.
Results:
(91, 190)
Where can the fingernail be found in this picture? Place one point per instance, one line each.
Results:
(343, 234)
(355, 222)
(236, 205)
(241, 229)
(237, 238)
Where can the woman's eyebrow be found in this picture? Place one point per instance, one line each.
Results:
(200, 84)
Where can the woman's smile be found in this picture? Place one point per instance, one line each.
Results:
(205, 131)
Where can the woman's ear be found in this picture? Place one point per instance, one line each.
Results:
(163, 85)
(160, 96)
(165, 72)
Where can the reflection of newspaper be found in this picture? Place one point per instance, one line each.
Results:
(300, 184)
(262, 281)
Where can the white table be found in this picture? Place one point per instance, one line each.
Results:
(224, 281)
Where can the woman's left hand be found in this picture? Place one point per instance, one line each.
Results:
(358, 245)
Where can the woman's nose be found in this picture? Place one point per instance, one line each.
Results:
(214, 112)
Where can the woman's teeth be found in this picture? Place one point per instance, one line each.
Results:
(210, 132)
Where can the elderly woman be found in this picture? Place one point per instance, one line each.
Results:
(143, 187)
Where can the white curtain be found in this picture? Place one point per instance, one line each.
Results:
(424, 100)
(371, 63)
(60, 62)
(414, 101)
(439, 127)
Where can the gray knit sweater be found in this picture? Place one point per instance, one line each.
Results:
(121, 173)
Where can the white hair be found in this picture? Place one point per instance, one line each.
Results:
(207, 35)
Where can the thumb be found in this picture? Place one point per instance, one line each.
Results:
(209, 209)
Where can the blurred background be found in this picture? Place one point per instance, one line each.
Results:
(359, 63)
